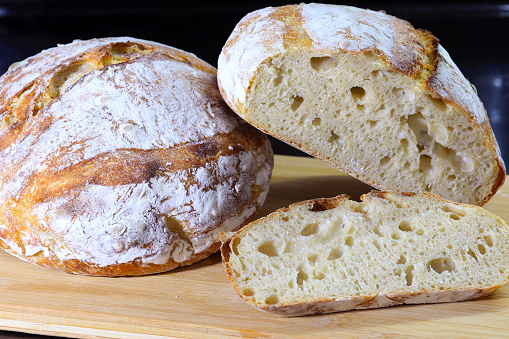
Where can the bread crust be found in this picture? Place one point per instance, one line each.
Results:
(119, 157)
(271, 32)
(330, 305)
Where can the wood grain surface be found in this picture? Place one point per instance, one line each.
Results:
(199, 302)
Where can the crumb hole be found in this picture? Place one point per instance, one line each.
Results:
(317, 275)
(323, 63)
(301, 276)
(402, 260)
(248, 291)
(313, 258)
(335, 253)
(424, 163)
(316, 122)
(472, 254)
(272, 299)
(310, 229)
(442, 264)
(268, 248)
(405, 226)
(385, 160)
(409, 275)
(357, 92)
(349, 241)
(333, 137)
(296, 102)
(481, 248)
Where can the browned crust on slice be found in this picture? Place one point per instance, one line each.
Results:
(346, 303)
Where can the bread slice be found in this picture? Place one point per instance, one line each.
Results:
(365, 92)
(329, 255)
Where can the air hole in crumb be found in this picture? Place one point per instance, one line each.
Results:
(323, 63)
(357, 92)
(472, 254)
(420, 231)
(333, 137)
(398, 91)
(285, 218)
(310, 229)
(335, 253)
(317, 275)
(360, 108)
(272, 299)
(313, 258)
(235, 243)
(409, 275)
(402, 260)
(248, 291)
(405, 226)
(489, 240)
(481, 248)
(458, 211)
(454, 216)
(424, 163)
(296, 102)
(395, 236)
(440, 265)
(268, 248)
(316, 121)
(385, 160)
(301, 276)
(349, 241)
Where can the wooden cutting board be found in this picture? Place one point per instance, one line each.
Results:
(199, 302)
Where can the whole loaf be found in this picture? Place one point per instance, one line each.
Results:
(119, 157)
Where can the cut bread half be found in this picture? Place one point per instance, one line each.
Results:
(365, 92)
(329, 255)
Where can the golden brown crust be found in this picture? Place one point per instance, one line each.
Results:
(271, 32)
(346, 303)
(121, 158)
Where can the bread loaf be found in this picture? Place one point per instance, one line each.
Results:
(119, 157)
(365, 92)
(329, 255)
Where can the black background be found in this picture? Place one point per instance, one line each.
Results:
(473, 32)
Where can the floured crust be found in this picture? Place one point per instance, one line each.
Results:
(119, 157)
(330, 30)
(249, 247)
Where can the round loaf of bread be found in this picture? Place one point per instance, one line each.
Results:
(365, 92)
(119, 157)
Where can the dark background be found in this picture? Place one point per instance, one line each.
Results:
(475, 33)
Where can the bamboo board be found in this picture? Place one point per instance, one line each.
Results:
(199, 302)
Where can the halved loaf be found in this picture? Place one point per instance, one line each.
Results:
(329, 255)
(365, 92)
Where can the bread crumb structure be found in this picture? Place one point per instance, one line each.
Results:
(365, 92)
(119, 157)
(329, 255)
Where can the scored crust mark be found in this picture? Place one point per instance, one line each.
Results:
(67, 74)
(401, 253)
